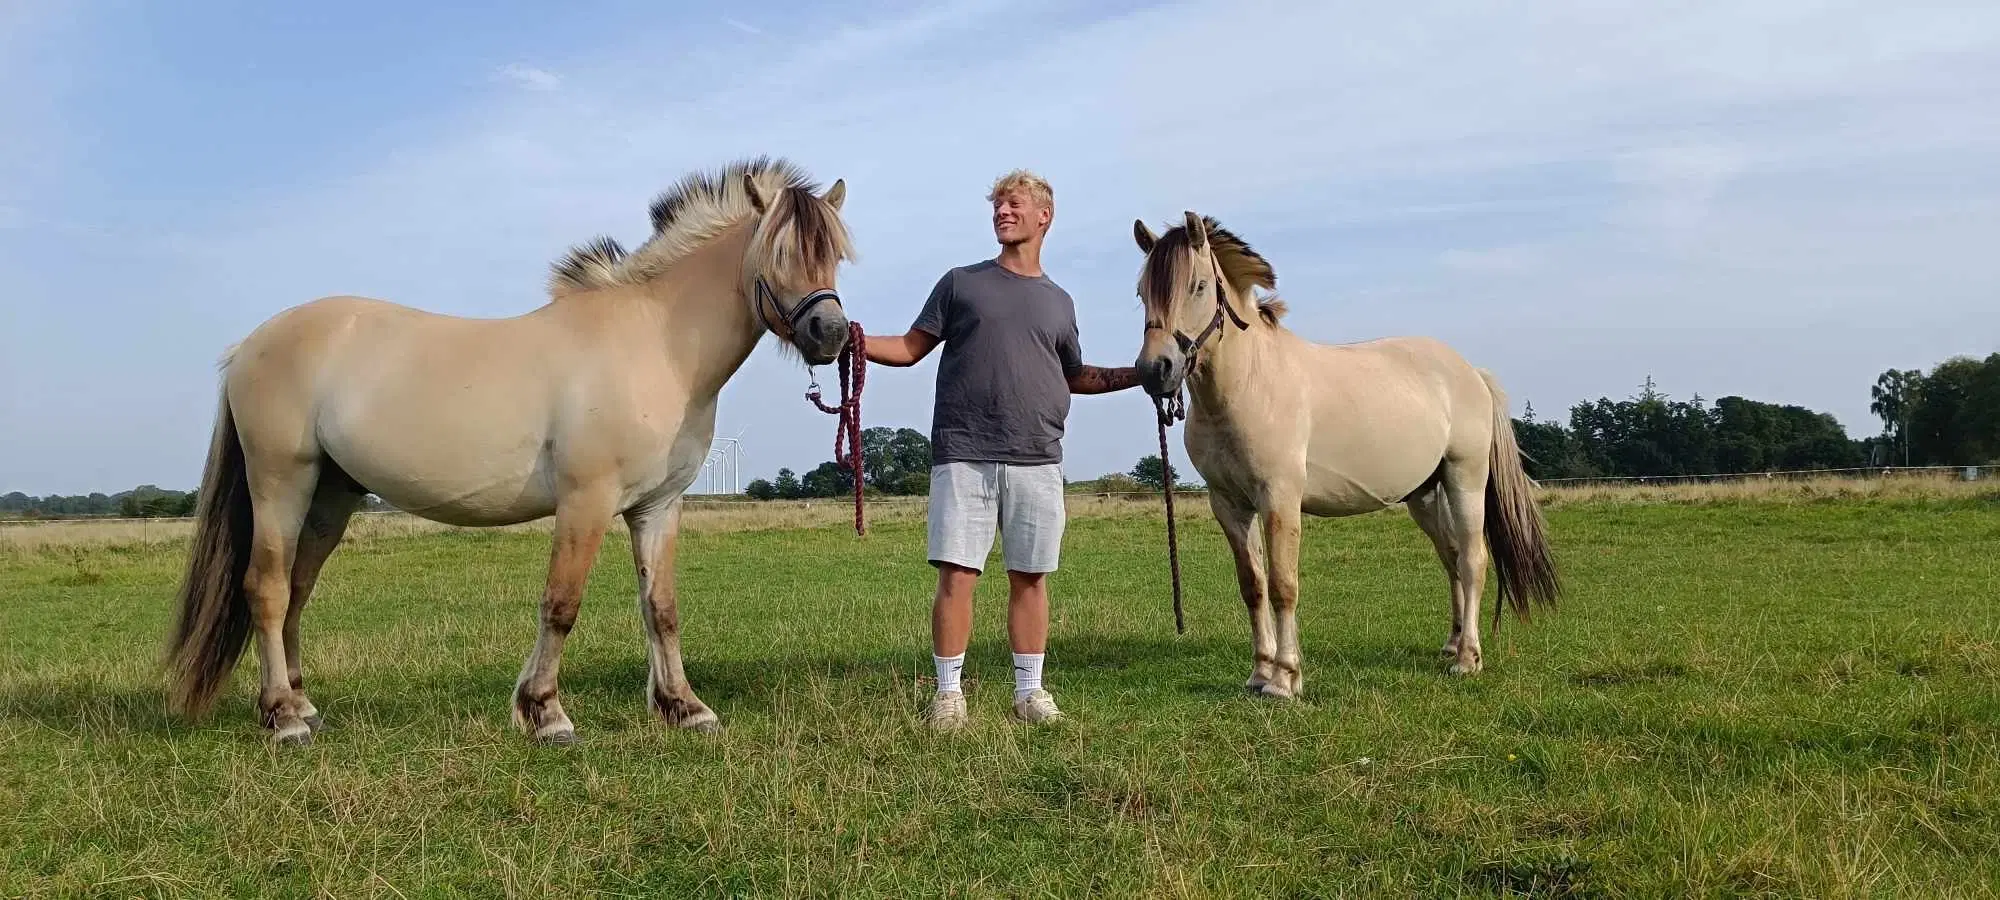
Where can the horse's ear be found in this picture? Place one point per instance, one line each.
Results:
(750, 187)
(837, 194)
(1197, 235)
(1143, 235)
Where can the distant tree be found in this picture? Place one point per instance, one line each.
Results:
(1895, 398)
(1111, 482)
(889, 456)
(1957, 414)
(1549, 450)
(1151, 472)
(787, 485)
(915, 484)
(759, 489)
(828, 480)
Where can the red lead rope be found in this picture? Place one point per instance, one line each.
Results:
(853, 364)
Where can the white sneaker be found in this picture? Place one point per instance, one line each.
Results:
(1038, 708)
(947, 712)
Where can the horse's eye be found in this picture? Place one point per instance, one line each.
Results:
(1202, 286)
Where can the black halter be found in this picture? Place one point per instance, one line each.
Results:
(1191, 347)
(791, 318)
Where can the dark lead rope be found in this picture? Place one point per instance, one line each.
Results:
(1170, 408)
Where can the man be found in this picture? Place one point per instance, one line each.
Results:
(1011, 361)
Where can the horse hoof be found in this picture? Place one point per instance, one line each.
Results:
(314, 722)
(293, 735)
(1273, 691)
(705, 722)
(560, 737)
(1463, 669)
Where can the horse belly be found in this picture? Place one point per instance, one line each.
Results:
(460, 466)
(1353, 471)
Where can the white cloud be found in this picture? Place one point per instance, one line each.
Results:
(1805, 184)
(529, 77)
(742, 26)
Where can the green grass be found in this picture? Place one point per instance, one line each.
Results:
(1738, 699)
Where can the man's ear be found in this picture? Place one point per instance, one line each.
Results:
(1144, 236)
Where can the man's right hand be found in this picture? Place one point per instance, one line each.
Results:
(901, 349)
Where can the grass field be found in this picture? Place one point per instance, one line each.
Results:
(1780, 692)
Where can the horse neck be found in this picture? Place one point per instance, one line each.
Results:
(705, 318)
(1234, 363)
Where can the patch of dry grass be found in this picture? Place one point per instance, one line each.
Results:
(1922, 486)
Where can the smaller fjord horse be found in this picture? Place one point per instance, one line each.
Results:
(599, 403)
(1280, 426)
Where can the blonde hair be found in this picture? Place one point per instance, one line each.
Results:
(1023, 180)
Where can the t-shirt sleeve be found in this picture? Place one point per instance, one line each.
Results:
(932, 319)
(1070, 349)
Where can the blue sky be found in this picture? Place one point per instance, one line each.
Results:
(1777, 200)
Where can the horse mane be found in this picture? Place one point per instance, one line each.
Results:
(1239, 263)
(803, 233)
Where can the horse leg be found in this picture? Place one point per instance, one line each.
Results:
(281, 492)
(333, 503)
(1281, 541)
(1429, 510)
(1247, 545)
(581, 520)
(654, 533)
(1465, 499)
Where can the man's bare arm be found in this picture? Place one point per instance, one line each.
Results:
(1100, 380)
(901, 349)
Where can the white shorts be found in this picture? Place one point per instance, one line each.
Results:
(970, 501)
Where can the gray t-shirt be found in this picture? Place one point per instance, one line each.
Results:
(1009, 347)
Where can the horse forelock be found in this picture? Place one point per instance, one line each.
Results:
(692, 212)
(803, 238)
(1240, 264)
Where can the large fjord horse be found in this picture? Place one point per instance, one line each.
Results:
(1280, 426)
(600, 403)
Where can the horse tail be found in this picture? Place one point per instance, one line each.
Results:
(214, 622)
(1515, 530)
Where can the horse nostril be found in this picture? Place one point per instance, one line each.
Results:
(816, 329)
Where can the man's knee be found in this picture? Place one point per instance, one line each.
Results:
(955, 579)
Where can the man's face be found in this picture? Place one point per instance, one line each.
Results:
(1017, 218)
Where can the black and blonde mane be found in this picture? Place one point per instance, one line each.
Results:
(803, 233)
(1241, 266)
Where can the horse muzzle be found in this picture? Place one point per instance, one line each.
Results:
(821, 335)
(1161, 374)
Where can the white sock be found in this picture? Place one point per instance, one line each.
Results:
(947, 671)
(1027, 674)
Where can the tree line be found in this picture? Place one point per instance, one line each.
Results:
(1949, 415)
(143, 502)
(893, 461)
